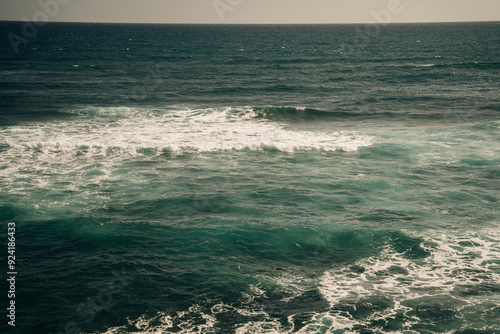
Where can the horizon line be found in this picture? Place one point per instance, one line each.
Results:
(254, 23)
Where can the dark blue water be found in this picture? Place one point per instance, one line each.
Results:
(252, 179)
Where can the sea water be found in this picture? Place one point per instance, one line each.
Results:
(252, 179)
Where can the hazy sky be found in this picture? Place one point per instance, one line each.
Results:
(251, 11)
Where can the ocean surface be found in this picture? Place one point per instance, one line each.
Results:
(251, 179)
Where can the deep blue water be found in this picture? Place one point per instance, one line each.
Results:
(252, 179)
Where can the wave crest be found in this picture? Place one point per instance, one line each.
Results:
(145, 132)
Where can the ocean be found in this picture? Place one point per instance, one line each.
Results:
(250, 178)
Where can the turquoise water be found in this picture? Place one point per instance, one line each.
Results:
(252, 179)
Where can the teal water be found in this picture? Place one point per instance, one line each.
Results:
(252, 179)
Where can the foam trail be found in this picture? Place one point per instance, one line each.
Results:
(130, 132)
(400, 285)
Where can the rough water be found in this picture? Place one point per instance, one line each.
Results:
(252, 179)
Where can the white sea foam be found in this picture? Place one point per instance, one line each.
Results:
(113, 135)
(456, 263)
(130, 131)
